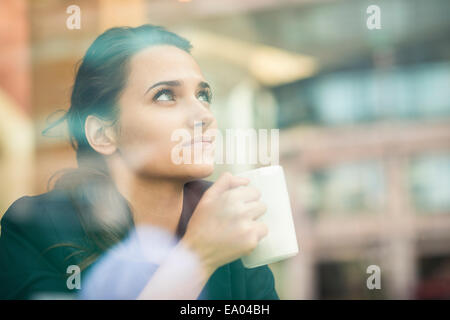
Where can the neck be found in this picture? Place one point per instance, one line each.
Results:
(154, 201)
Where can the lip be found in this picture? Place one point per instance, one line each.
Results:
(201, 139)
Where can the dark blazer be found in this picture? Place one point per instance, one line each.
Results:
(32, 224)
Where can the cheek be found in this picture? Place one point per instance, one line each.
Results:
(145, 139)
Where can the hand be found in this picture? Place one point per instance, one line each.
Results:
(223, 227)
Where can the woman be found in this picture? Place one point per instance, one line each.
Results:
(133, 89)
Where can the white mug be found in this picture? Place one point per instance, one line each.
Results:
(281, 241)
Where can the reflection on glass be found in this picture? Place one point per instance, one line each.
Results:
(349, 188)
(430, 183)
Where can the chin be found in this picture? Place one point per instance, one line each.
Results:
(199, 171)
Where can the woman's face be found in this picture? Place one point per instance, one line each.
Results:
(166, 92)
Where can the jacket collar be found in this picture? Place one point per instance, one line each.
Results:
(219, 284)
(193, 191)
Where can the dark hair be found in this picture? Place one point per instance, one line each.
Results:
(102, 75)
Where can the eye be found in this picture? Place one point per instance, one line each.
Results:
(205, 95)
(164, 95)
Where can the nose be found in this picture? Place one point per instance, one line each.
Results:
(203, 118)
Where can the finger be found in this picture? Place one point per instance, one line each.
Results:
(255, 209)
(225, 182)
(253, 194)
(244, 194)
(262, 230)
(238, 181)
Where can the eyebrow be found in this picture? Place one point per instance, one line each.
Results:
(177, 83)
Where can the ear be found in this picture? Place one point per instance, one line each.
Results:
(100, 136)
